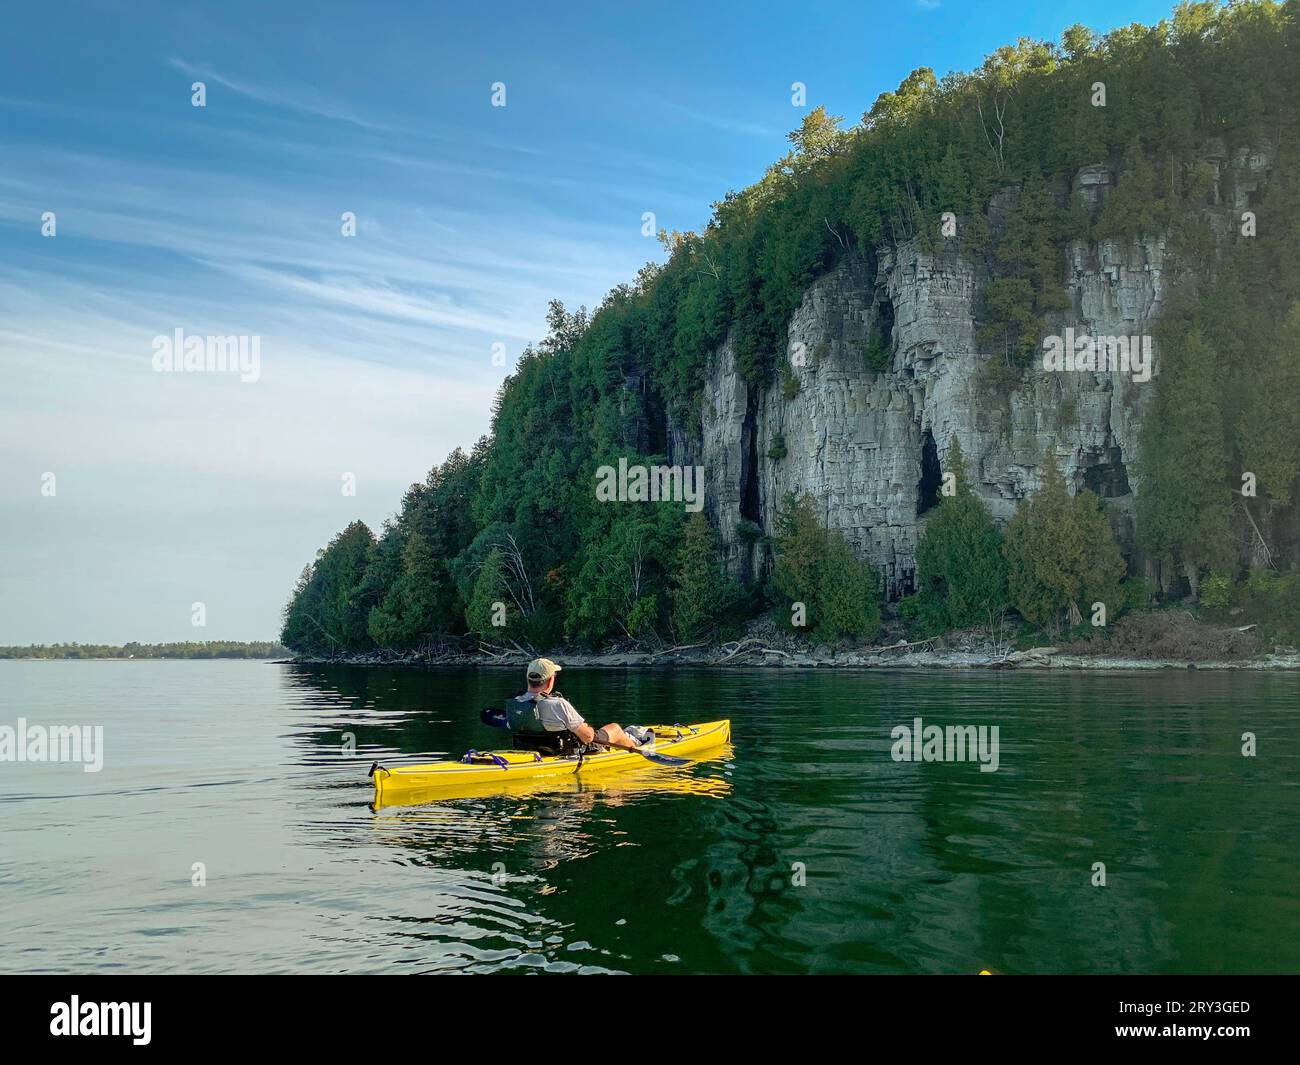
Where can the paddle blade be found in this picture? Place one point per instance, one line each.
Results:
(664, 759)
(493, 717)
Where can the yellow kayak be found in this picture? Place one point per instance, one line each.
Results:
(579, 789)
(500, 768)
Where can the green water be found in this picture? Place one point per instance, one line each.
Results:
(803, 848)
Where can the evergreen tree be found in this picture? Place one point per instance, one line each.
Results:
(299, 630)
(815, 567)
(1027, 284)
(1132, 208)
(1183, 502)
(329, 608)
(1269, 422)
(1061, 554)
(702, 596)
(847, 602)
(961, 572)
(490, 614)
(414, 610)
(798, 548)
(621, 587)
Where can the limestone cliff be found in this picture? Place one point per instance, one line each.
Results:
(869, 446)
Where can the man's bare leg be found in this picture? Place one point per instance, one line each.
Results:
(616, 737)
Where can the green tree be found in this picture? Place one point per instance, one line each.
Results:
(847, 602)
(702, 596)
(1078, 42)
(621, 588)
(914, 93)
(489, 615)
(961, 571)
(299, 627)
(1133, 209)
(1028, 267)
(798, 548)
(416, 608)
(815, 567)
(329, 607)
(494, 569)
(1183, 505)
(1061, 554)
(1269, 422)
(819, 135)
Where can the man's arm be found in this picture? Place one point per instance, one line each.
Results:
(575, 724)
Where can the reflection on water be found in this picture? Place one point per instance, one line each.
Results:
(802, 847)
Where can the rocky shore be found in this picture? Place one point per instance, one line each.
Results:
(749, 654)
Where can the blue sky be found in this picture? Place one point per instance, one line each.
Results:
(377, 349)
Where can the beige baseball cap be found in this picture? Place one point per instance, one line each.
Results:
(542, 669)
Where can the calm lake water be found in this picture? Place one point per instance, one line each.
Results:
(933, 867)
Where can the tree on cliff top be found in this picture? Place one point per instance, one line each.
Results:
(819, 135)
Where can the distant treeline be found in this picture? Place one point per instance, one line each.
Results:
(205, 649)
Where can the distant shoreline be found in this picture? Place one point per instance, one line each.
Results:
(204, 651)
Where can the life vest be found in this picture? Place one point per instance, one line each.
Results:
(524, 719)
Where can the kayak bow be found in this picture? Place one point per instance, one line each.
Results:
(488, 767)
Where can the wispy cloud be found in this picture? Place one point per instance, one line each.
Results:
(385, 300)
(718, 120)
(304, 102)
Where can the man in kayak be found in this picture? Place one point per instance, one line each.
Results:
(544, 720)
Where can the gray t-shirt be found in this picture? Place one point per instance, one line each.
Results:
(556, 712)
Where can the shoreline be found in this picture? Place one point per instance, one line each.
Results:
(1035, 658)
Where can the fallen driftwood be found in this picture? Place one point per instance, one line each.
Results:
(740, 644)
(1037, 656)
(902, 645)
(751, 646)
(680, 647)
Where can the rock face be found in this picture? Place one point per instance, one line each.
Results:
(870, 445)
